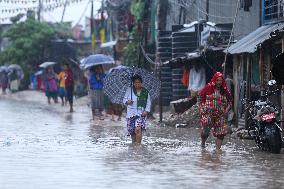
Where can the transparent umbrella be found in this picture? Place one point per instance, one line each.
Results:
(4, 69)
(96, 59)
(46, 64)
(16, 68)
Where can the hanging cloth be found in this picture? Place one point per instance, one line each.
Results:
(247, 5)
(185, 78)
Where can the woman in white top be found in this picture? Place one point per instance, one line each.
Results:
(138, 104)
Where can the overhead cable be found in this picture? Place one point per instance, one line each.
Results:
(231, 35)
(146, 56)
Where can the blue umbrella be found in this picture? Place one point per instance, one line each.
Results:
(96, 59)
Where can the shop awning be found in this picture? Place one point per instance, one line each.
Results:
(249, 43)
(181, 61)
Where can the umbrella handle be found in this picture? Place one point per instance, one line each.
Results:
(131, 91)
(131, 86)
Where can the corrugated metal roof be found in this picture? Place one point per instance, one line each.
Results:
(249, 43)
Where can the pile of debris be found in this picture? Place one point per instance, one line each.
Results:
(190, 118)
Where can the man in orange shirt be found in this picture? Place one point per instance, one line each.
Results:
(61, 91)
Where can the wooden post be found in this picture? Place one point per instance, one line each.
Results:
(236, 85)
(260, 65)
(160, 99)
(248, 86)
(282, 91)
(162, 10)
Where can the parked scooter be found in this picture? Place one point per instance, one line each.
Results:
(263, 124)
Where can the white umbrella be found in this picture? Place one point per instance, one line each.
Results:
(14, 67)
(4, 69)
(46, 64)
(38, 73)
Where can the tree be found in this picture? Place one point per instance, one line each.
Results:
(28, 41)
(132, 50)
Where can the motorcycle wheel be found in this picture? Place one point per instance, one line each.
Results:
(273, 138)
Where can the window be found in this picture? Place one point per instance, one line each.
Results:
(273, 10)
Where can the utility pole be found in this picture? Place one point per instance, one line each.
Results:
(248, 87)
(198, 27)
(207, 10)
(64, 9)
(0, 37)
(39, 10)
(93, 41)
(145, 27)
(162, 10)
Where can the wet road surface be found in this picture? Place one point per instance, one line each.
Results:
(42, 148)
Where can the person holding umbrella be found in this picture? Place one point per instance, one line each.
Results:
(138, 102)
(96, 90)
(14, 81)
(50, 85)
(135, 88)
(15, 75)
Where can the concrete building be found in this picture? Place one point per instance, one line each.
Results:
(216, 11)
(253, 56)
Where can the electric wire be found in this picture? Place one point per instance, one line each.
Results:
(231, 35)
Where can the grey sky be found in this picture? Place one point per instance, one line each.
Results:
(73, 12)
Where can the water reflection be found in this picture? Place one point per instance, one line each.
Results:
(213, 157)
(41, 148)
(69, 118)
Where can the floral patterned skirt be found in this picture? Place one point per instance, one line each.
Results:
(136, 121)
(214, 119)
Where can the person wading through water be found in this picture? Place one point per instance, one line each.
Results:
(69, 85)
(61, 90)
(214, 102)
(138, 102)
(50, 84)
(96, 90)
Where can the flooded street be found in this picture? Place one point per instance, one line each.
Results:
(42, 148)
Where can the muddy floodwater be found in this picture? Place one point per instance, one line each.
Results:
(45, 149)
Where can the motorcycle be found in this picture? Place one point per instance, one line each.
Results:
(263, 124)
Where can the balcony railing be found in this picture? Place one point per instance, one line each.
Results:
(273, 11)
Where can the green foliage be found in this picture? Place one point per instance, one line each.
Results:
(28, 41)
(132, 49)
(136, 9)
(62, 30)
